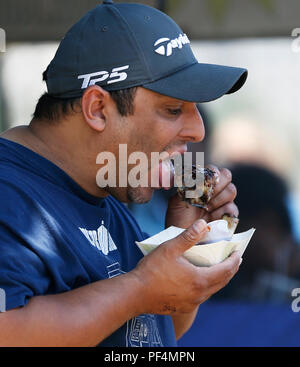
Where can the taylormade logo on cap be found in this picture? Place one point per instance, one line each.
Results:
(169, 45)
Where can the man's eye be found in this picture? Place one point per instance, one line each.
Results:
(174, 112)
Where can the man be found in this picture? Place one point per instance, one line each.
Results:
(69, 266)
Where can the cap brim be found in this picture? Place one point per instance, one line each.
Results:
(200, 82)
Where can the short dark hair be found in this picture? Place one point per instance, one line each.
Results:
(124, 98)
(52, 108)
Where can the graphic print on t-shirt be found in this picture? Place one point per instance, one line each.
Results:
(100, 238)
(141, 331)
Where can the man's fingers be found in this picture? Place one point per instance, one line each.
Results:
(218, 276)
(214, 168)
(231, 209)
(188, 238)
(225, 178)
(224, 197)
(222, 273)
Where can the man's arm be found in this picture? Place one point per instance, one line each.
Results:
(81, 317)
(87, 315)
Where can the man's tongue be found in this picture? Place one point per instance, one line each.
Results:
(166, 175)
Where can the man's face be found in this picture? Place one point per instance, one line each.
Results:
(159, 124)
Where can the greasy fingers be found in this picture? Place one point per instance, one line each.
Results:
(226, 196)
(225, 178)
(230, 208)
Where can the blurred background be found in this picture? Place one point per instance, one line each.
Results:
(255, 132)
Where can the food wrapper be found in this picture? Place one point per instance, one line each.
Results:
(215, 247)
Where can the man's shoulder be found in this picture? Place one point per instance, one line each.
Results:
(14, 198)
(17, 194)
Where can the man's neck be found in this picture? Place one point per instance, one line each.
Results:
(54, 144)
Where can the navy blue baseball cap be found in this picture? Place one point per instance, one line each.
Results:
(118, 46)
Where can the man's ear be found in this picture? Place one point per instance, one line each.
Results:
(94, 101)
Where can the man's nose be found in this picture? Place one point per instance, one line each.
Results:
(193, 129)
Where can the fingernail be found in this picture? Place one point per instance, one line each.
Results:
(241, 260)
(200, 226)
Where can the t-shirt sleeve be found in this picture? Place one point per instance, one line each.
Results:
(22, 272)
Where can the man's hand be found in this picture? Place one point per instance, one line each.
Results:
(181, 214)
(172, 285)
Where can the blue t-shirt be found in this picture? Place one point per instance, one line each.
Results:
(55, 237)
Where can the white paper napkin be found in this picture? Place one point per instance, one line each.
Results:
(217, 245)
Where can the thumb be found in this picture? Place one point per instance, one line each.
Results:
(189, 237)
